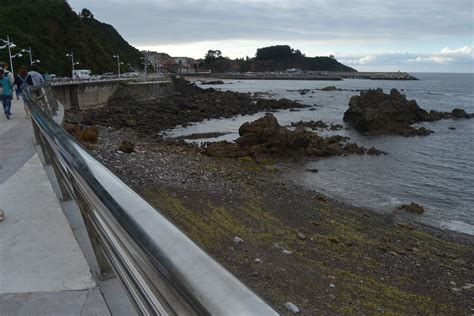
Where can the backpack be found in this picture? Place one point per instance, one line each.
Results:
(24, 83)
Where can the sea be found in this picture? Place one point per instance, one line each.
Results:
(435, 171)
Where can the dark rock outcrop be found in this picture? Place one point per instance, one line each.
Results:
(267, 136)
(459, 113)
(310, 124)
(412, 208)
(84, 134)
(126, 147)
(212, 82)
(329, 88)
(375, 112)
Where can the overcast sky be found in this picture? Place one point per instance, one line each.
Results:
(370, 35)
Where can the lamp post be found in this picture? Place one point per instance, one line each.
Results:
(10, 45)
(118, 63)
(36, 61)
(71, 55)
(24, 50)
(145, 65)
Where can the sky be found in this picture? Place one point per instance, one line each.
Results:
(368, 35)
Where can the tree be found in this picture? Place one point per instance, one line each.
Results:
(212, 55)
(86, 14)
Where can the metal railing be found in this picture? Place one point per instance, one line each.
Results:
(68, 81)
(161, 269)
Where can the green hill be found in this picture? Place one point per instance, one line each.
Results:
(273, 58)
(53, 29)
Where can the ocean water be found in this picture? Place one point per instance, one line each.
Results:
(436, 171)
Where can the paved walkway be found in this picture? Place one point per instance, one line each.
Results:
(42, 268)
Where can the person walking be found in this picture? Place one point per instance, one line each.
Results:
(8, 73)
(7, 88)
(34, 77)
(21, 82)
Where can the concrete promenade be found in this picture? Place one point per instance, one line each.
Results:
(43, 270)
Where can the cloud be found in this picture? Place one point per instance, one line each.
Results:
(181, 21)
(358, 29)
(433, 59)
(448, 56)
(462, 50)
(361, 61)
(447, 59)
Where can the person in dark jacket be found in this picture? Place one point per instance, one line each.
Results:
(21, 81)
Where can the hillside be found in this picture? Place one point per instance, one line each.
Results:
(273, 58)
(53, 29)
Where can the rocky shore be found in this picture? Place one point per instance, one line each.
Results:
(184, 104)
(294, 247)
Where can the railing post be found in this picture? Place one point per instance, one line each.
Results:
(37, 134)
(46, 154)
(105, 269)
(60, 174)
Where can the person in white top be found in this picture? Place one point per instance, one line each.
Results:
(34, 77)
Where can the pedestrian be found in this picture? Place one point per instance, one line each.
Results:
(34, 77)
(21, 82)
(6, 96)
(8, 73)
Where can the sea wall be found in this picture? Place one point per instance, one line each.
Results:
(86, 95)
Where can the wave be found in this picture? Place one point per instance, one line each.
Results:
(459, 227)
(436, 93)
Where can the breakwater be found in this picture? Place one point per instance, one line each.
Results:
(310, 75)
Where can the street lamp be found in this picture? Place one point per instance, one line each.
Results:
(145, 61)
(10, 45)
(118, 63)
(71, 55)
(35, 61)
(24, 50)
(17, 55)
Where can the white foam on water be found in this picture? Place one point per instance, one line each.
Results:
(459, 227)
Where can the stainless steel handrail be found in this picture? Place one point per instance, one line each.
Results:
(162, 270)
(69, 81)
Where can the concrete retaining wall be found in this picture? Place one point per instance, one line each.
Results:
(87, 95)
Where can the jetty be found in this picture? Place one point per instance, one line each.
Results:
(307, 75)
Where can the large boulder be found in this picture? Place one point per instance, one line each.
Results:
(263, 130)
(459, 113)
(267, 136)
(373, 111)
(376, 112)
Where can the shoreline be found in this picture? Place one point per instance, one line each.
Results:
(304, 241)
